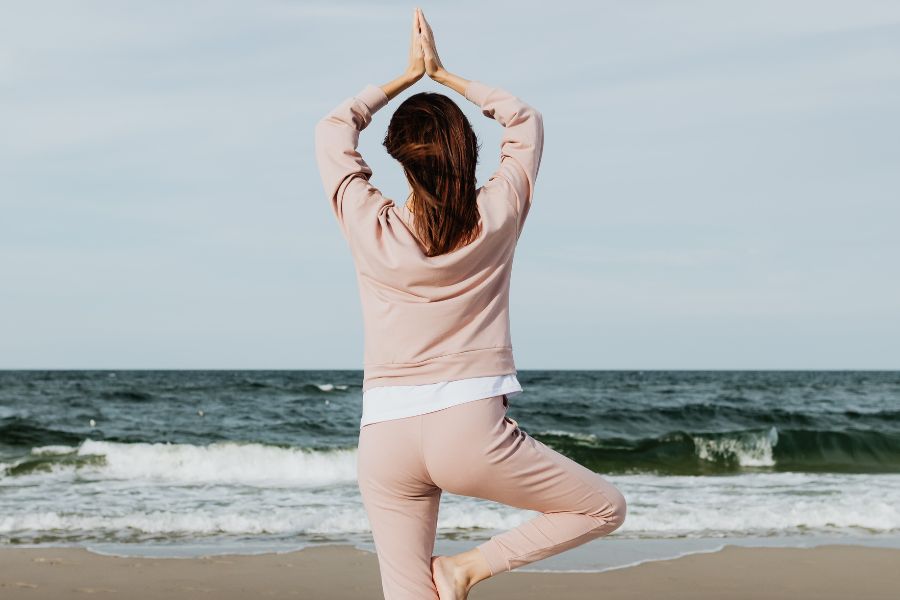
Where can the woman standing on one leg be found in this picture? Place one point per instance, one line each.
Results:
(434, 281)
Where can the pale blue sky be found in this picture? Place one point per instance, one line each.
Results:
(719, 187)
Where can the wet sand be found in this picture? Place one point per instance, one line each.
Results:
(339, 572)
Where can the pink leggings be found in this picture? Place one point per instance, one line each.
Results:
(473, 449)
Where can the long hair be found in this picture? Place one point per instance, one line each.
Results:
(434, 142)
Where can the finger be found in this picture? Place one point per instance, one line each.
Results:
(426, 34)
(425, 22)
(423, 35)
(426, 41)
(425, 30)
(417, 45)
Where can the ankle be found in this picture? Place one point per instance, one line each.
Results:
(470, 567)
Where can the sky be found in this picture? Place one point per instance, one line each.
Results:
(719, 189)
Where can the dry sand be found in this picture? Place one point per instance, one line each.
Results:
(333, 572)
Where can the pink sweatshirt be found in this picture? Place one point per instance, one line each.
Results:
(441, 318)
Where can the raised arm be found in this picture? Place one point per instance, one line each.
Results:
(521, 146)
(345, 175)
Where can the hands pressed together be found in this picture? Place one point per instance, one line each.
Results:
(423, 58)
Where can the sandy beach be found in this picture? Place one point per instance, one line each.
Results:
(337, 572)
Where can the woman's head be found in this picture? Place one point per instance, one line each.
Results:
(435, 144)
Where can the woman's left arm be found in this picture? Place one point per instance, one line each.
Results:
(345, 174)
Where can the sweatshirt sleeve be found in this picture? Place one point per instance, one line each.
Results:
(522, 144)
(345, 175)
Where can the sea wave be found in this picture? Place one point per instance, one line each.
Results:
(676, 453)
(701, 453)
(216, 463)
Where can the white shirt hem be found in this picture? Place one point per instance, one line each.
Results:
(398, 402)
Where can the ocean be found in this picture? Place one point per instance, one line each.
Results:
(188, 462)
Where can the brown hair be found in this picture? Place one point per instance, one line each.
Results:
(434, 142)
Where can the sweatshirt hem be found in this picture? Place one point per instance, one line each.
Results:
(459, 365)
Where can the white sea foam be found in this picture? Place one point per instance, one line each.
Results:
(584, 437)
(197, 522)
(143, 491)
(220, 463)
(330, 387)
(53, 450)
(672, 507)
(761, 504)
(749, 449)
(310, 520)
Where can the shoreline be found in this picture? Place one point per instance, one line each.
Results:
(336, 571)
(611, 553)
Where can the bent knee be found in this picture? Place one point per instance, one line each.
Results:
(613, 510)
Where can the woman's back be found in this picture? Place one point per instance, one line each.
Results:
(432, 318)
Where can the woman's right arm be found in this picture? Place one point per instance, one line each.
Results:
(522, 145)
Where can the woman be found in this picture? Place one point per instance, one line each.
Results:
(434, 284)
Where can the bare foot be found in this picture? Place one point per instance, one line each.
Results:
(450, 583)
(455, 575)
